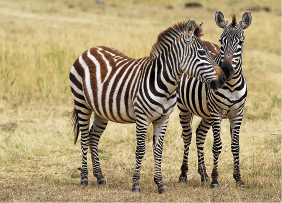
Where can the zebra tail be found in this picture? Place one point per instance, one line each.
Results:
(74, 120)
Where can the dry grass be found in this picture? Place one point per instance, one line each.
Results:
(40, 41)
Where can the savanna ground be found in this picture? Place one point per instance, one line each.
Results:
(40, 40)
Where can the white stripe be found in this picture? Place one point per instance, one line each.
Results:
(75, 88)
(74, 72)
(80, 101)
(86, 111)
(109, 67)
(87, 80)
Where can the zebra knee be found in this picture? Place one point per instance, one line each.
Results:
(140, 152)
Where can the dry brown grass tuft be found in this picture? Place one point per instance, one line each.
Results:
(40, 40)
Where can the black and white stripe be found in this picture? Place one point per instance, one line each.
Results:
(197, 98)
(143, 91)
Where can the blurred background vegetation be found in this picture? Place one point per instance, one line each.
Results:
(39, 42)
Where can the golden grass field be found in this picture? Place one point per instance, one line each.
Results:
(39, 42)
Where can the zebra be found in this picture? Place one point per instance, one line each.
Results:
(142, 91)
(197, 98)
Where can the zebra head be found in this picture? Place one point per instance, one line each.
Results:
(196, 59)
(232, 40)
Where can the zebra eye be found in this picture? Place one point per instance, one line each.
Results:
(202, 52)
(241, 43)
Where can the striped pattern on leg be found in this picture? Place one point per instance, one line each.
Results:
(159, 132)
(216, 149)
(98, 127)
(235, 124)
(201, 134)
(185, 119)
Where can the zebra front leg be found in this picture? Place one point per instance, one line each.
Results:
(201, 134)
(217, 146)
(235, 124)
(141, 129)
(84, 120)
(186, 118)
(98, 127)
(159, 132)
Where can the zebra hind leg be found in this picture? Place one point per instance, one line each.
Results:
(81, 118)
(98, 127)
(141, 130)
(201, 134)
(186, 118)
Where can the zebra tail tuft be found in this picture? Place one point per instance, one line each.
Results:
(74, 120)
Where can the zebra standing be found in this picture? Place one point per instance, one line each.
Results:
(124, 90)
(197, 98)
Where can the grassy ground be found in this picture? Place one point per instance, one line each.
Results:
(40, 40)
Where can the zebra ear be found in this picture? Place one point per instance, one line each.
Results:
(220, 19)
(190, 27)
(202, 24)
(246, 20)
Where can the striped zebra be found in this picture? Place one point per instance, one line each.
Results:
(197, 98)
(143, 91)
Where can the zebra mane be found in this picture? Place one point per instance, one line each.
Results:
(234, 20)
(168, 36)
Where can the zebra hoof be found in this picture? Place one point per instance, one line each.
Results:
(136, 189)
(163, 190)
(84, 182)
(183, 179)
(240, 184)
(101, 181)
(214, 184)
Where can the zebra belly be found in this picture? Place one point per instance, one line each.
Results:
(115, 108)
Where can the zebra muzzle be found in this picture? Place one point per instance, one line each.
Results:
(226, 67)
(220, 81)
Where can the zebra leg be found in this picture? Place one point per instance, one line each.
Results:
(159, 132)
(141, 129)
(235, 124)
(217, 146)
(186, 119)
(98, 127)
(84, 120)
(201, 134)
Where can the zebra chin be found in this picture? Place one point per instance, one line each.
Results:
(220, 81)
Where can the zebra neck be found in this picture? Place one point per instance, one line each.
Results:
(164, 73)
(217, 59)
